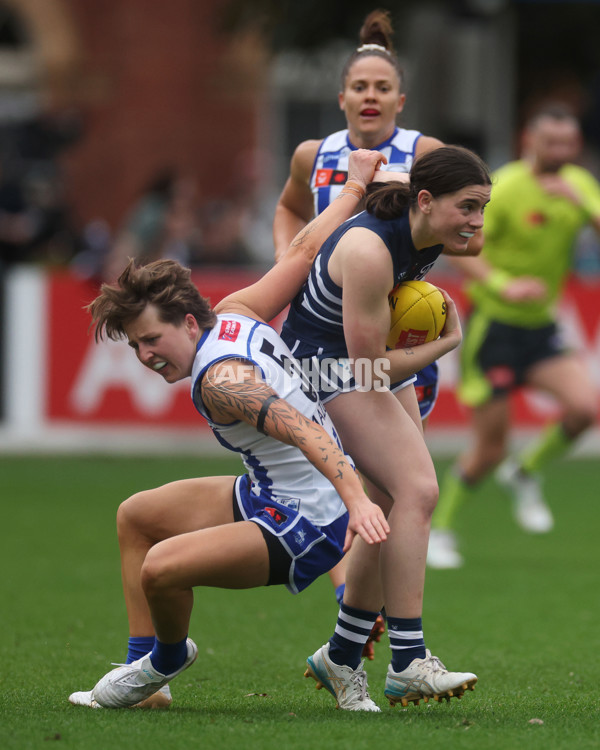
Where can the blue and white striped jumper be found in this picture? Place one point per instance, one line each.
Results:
(285, 493)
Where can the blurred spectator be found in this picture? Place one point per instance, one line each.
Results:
(234, 227)
(224, 233)
(35, 222)
(162, 224)
(170, 221)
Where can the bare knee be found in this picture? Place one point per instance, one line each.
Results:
(155, 575)
(131, 517)
(422, 496)
(430, 496)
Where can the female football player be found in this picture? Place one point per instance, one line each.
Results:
(342, 314)
(295, 512)
(371, 98)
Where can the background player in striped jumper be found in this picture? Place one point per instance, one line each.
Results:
(371, 98)
(286, 521)
(539, 204)
(341, 319)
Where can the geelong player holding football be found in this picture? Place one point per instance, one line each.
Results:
(539, 205)
(295, 512)
(371, 98)
(343, 313)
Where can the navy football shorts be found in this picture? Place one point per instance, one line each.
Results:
(299, 552)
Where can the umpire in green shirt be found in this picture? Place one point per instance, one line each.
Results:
(538, 206)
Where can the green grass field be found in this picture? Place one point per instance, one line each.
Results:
(523, 614)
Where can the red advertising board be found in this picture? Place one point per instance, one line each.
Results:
(105, 385)
(91, 383)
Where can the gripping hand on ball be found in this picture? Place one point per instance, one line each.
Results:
(452, 330)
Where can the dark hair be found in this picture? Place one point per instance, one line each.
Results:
(164, 283)
(441, 171)
(553, 111)
(376, 29)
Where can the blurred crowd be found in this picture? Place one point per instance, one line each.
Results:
(35, 225)
(168, 219)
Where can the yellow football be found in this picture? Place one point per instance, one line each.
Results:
(418, 314)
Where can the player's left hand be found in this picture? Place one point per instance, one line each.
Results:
(452, 330)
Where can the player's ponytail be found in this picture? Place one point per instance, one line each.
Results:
(375, 39)
(377, 29)
(387, 200)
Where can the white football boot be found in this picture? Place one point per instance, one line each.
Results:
(348, 686)
(130, 684)
(424, 679)
(161, 699)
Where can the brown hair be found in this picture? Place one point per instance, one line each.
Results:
(376, 29)
(441, 171)
(552, 111)
(164, 283)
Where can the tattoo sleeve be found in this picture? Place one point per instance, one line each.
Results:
(234, 390)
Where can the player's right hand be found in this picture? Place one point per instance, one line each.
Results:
(362, 165)
(368, 521)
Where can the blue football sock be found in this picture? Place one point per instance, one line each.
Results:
(352, 631)
(168, 657)
(406, 641)
(138, 647)
(339, 593)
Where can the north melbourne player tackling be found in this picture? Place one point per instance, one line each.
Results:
(286, 521)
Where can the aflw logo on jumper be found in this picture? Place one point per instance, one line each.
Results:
(229, 330)
(330, 177)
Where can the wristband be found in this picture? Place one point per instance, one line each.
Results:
(355, 188)
(497, 280)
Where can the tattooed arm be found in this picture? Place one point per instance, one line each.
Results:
(233, 390)
(277, 288)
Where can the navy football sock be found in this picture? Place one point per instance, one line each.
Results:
(168, 657)
(406, 641)
(352, 631)
(139, 646)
